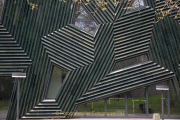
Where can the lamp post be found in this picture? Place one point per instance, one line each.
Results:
(18, 75)
(162, 87)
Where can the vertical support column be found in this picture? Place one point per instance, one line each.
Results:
(18, 98)
(147, 107)
(84, 109)
(105, 106)
(162, 106)
(168, 97)
(126, 107)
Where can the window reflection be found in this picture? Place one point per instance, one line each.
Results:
(130, 62)
(84, 20)
(57, 77)
(136, 4)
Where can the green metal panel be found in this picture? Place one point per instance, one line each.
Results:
(164, 46)
(132, 33)
(28, 29)
(12, 56)
(47, 37)
(69, 48)
(126, 79)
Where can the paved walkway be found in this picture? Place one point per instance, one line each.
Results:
(97, 119)
(134, 117)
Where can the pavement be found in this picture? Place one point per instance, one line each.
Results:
(3, 114)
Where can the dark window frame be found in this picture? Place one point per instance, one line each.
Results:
(49, 80)
(73, 19)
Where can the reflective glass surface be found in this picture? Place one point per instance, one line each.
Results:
(84, 20)
(55, 83)
(88, 26)
(130, 62)
(138, 3)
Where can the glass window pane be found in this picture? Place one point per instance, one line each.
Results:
(136, 4)
(116, 105)
(88, 26)
(155, 101)
(137, 103)
(92, 109)
(131, 61)
(80, 13)
(84, 20)
(57, 78)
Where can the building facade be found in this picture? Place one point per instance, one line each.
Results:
(78, 53)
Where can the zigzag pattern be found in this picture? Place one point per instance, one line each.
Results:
(46, 108)
(126, 79)
(12, 56)
(101, 16)
(164, 47)
(69, 47)
(80, 80)
(132, 33)
(161, 4)
(89, 62)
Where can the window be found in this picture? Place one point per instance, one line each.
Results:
(56, 80)
(83, 20)
(131, 61)
(136, 4)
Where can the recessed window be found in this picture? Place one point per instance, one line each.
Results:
(83, 20)
(57, 77)
(136, 4)
(131, 61)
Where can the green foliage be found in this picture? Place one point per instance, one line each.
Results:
(4, 105)
(118, 105)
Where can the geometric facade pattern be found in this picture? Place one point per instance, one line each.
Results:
(164, 46)
(132, 34)
(126, 79)
(69, 48)
(160, 5)
(12, 57)
(49, 38)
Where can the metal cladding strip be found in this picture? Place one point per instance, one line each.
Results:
(164, 46)
(28, 26)
(121, 80)
(82, 79)
(70, 49)
(47, 109)
(121, 8)
(132, 33)
(12, 57)
(106, 16)
(164, 6)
